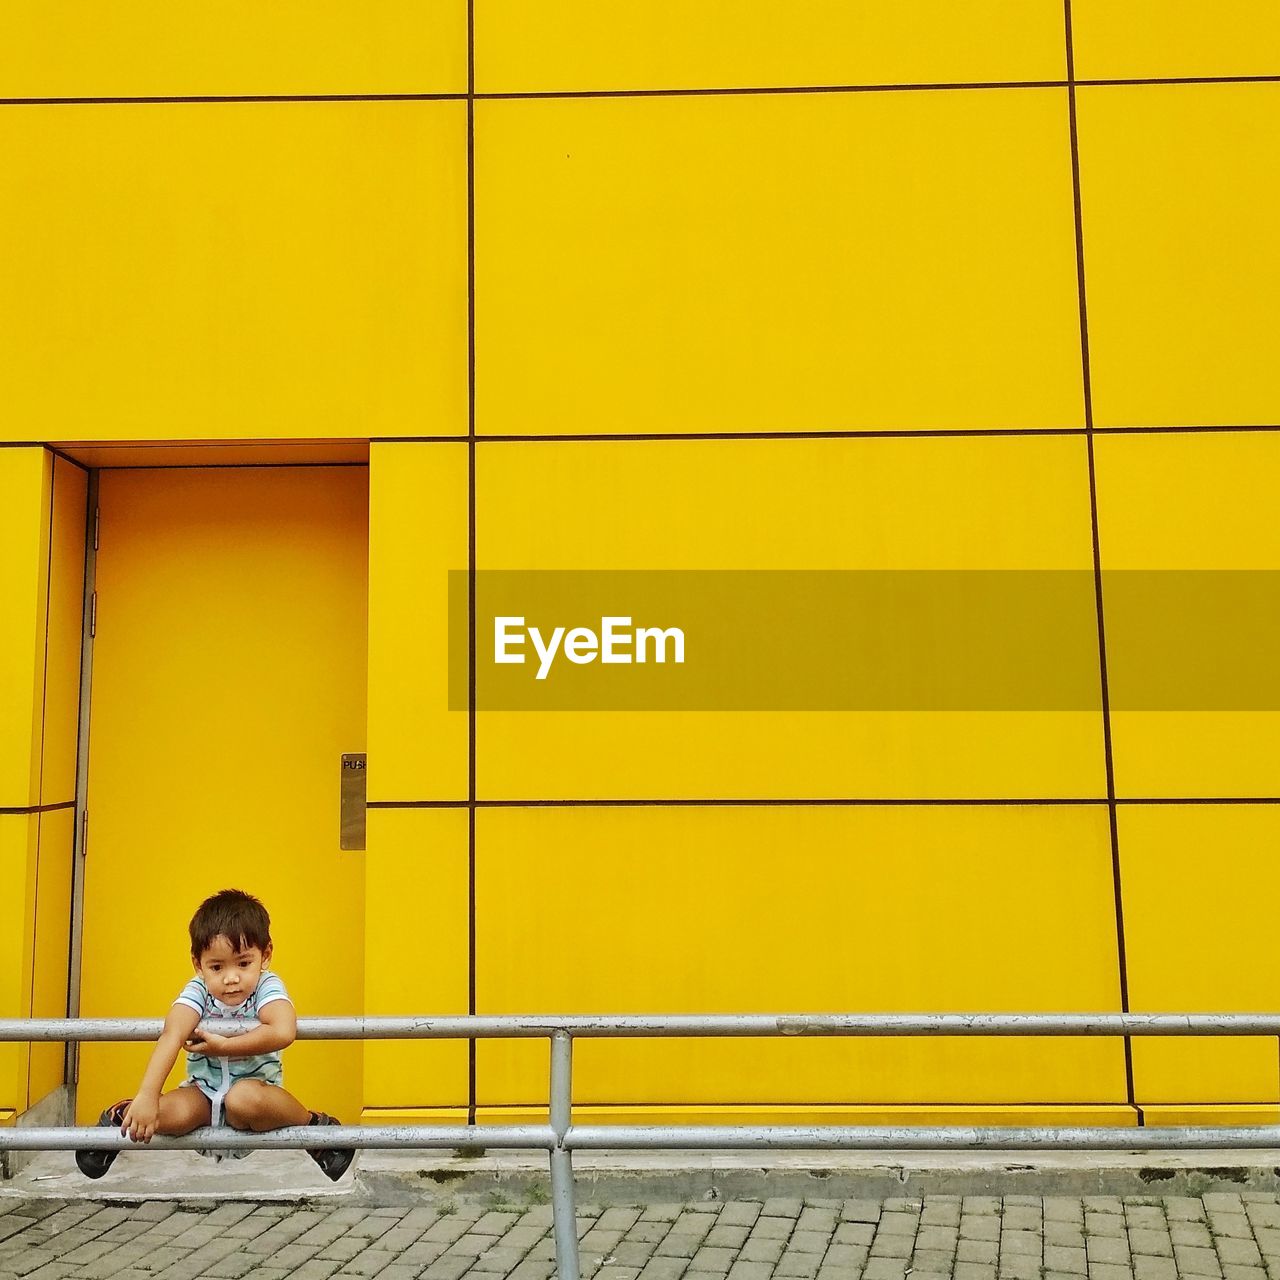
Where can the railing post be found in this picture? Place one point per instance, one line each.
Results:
(564, 1214)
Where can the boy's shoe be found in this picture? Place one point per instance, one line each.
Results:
(94, 1162)
(335, 1161)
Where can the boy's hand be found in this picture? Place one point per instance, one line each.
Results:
(211, 1044)
(140, 1119)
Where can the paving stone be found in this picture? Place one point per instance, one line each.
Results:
(52, 1271)
(815, 1219)
(1196, 1262)
(648, 1231)
(27, 1261)
(931, 1260)
(782, 1207)
(1146, 1216)
(860, 1211)
(980, 1227)
(538, 1269)
(712, 1259)
(904, 1204)
(1223, 1201)
(1019, 1266)
(1104, 1224)
(809, 1241)
(772, 1228)
(883, 1269)
(1021, 1217)
(617, 1219)
(1027, 1244)
(495, 1224)
(941, 1211)
(761, 1251)
(1063, 1209)
(1189, 1208)
(738, 1213)
(897, 1224)
(1191, 1233)
(1242, 1273)
(849, 1256)
(1059, 1258)
(1157, 1243)
(743, 1271)
(1108, 1249)
(890, 1246)
(235, 1265)
(797, 1266)
(666, 1268)
(1230, 1224)
(662, 1212)
(722, 1236)
(1104, 1204)
(344, 1248)
(855, 1233)
(1263, 1215)
(503, 1260)
(974, 1271)
(937, 1239)
(1069, 1235)
(1149, 1268)
(1239, 1253)
(633, 1253)
(981, 1251)
(678, 1245)
(446, 1268)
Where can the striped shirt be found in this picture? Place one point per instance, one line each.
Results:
(264, 1066)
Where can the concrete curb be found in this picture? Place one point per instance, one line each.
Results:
(392, 1179)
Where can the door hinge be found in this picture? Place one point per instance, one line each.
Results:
(93, 615)
(84, 834)
(97, 525)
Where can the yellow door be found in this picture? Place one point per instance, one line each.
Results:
(228, 677)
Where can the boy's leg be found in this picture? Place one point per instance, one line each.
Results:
(256, 1105)
(182, 1110)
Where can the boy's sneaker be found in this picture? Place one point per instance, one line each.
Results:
(335, 1161)
(96, 1161)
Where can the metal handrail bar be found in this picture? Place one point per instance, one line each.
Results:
(527, 1026)
(560, 1137)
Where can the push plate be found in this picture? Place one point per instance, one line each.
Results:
(351, 803)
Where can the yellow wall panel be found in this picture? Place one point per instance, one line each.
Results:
(65, 629)
(1181, 258)
(801, 910)
(418, 497)
(1112, 1117)
(776, 263)
(17, 856)
(148, 48)
(251, 269)
(999, 503)
(48, 991)
(416, 870)
(662, 44)
(25, 479)
(1199, 502)
(1198, 884)
(1154, 38)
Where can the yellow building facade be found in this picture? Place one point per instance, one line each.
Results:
(306, 306)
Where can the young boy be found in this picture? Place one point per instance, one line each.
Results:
(237, 1077)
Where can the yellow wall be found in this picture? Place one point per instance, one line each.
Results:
(689, 222)
(42, 522)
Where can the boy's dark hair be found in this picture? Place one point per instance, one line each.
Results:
(232, 914)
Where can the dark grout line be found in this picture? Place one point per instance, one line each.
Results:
(1087, 387)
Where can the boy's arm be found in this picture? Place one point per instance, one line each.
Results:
(140, 1119)
(278, 1030)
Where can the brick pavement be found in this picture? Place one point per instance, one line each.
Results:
(1219, 1237)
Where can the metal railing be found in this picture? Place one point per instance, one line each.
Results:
(560, 1137)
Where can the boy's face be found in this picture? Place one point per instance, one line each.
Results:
(231, 975)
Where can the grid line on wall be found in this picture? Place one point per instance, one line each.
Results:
(942, 86)
(471, 554)
(1087, 387)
